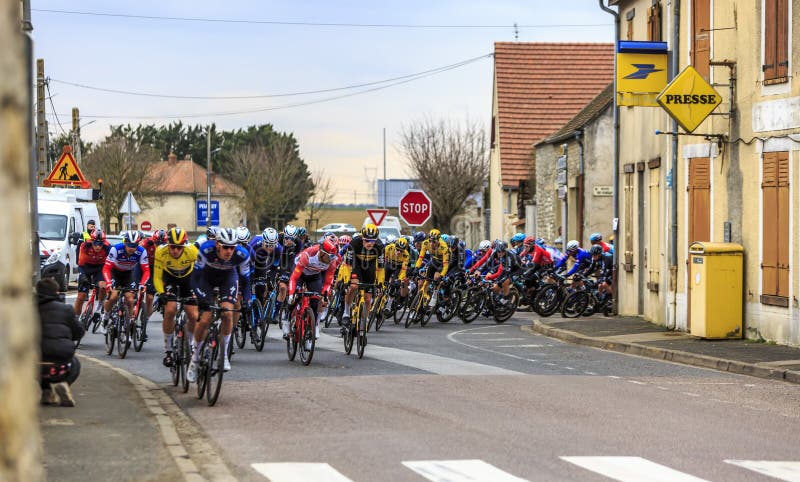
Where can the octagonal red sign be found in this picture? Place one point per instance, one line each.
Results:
(415, 207)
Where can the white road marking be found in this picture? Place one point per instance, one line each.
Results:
(423, 361)
(690, 394)
(782, 470)
(636, 382)
(614, 377)
(460, 471)
(480, 333)
(451, 337)
(569, 368)
(503, 339)
(631, 469)
(299, 472)
(590, 373)
(520, 346)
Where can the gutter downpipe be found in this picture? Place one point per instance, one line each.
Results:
(672, 319)
(615, 222)
(581, 204)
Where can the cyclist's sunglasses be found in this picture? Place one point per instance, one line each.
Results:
(176, 246)
(131, 245)
(97, 243)
(227, 248)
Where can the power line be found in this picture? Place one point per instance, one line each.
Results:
(266, 96)
(287, 106)
(312, 24)
(50, 97)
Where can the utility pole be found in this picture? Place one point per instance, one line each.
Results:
(76, 134)
(384, 168)
(41, 125)
(208, 177)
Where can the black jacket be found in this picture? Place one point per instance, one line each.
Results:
(60, 329)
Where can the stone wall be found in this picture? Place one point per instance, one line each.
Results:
(20, 443)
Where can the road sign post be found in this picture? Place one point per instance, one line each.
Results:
(415, 207)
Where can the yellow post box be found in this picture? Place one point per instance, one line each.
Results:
(715, 281)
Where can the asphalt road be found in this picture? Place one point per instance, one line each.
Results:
(455, 402)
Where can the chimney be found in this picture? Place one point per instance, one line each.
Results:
(172, 159)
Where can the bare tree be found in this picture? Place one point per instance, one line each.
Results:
(449, 161)
(275, 180)
(321, 195)
(122, 166)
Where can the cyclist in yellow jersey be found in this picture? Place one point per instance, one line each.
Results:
(396, 257)
(439, 258)
(173, 266)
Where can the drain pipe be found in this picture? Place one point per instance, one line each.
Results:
(616, 157)
(673, 174)
(581, 201)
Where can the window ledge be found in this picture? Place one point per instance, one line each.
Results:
(772, 300)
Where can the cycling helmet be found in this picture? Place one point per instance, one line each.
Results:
(572, 246)
(201, 239)
(558, 242)
(159, 236)
(596, 249)
(434, 234)
(369, 232)
(176, 236)
(132, 237)
(500, 247)
(484, 245)
(401, 243)
(243, 234)
(391, 239)
(529, 241)
(344, 240)
(227, 237)
(291, 232)
(269, 237)
(451, 241)
(517, 238)
(419, 237)
(595, 238)
(301, 232)
(328, 234)
(446, 239)
(334, 239)
(462, 244)
(328, 246)
(211, 232)
(540, 242)
(98, 236)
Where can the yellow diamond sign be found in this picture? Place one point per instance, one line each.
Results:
(689, 99)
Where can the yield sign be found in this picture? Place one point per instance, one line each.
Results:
(377, 215)
(66, 172)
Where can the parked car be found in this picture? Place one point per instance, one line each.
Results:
(338, 228)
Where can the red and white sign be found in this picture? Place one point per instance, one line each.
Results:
(146, 226)
(415, 207)
(377, 215)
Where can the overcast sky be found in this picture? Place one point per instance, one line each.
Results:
(343, 137)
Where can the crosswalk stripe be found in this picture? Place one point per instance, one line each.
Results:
(783, 470)
(299, 472)
(460, 471)
(631, 469)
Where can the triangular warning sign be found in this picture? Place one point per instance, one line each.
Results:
(377, 215)
(66, 172)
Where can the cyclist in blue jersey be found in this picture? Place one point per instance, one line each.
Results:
(582, 258)
(219, 264)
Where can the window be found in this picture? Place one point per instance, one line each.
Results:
(629, 17)
(701, 36)
(699, 199)
(775, 238)
(776, 41)
(491, 134)
(628, 222)
(654, 205)
(654, 33)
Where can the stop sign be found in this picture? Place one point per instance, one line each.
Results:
(146, 225)
(415, 207)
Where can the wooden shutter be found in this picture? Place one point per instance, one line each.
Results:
(699, 199)
(628, 221)
(701, 36)
(654, 221)
(654, 23)
(775, 236)
(776, 41)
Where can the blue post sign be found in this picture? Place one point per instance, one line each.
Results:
(202, 212)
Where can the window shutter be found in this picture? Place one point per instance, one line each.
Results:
(654, 222)
(699, 199)
(701, 36)
(654, 22)
(782, 39)
(770, 67)
(769, 262)
(782, 236)
(628, 222)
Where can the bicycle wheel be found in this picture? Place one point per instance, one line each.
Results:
(400, 308)
(309, 337)
(87, 314)
(139, 331)
(111, 335)
(472, 305)
(504, 312)
(547, 300)
(202, 366)
(124, 333)
(185, 356)
(259, 314)
(240, 331)
(96, 320)
(333, 309)
(414, 306)
(574, 304)
(291, 342)
(214, 370)
(361, 332)
(177, 361)
(449, 307)
(348, 338)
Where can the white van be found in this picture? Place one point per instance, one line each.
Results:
(389, 226)
(62, 212)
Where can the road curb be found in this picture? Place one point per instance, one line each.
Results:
(677, 356)
(171, 422)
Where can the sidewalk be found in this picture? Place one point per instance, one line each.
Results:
(635, 336)
(109, 435)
